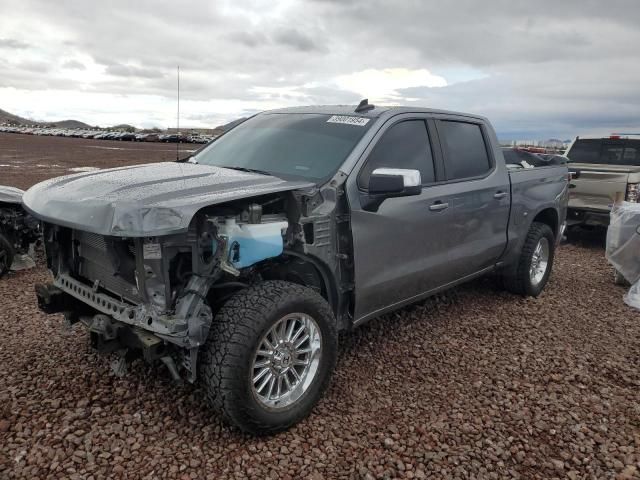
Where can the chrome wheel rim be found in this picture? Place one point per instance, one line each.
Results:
(287, 360)
(539, 261)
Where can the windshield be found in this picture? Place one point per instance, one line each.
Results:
(292, 146)
(605, 151)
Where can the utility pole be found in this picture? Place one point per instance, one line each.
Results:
(178, 118)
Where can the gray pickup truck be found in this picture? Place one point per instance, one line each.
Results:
(239, 265)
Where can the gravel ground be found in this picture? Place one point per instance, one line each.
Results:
(29, 159)
(475, 384)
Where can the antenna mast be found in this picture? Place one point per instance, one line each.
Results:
(178, 118)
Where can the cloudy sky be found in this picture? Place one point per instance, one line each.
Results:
(537, 69)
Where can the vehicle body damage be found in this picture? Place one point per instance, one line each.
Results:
(18, 230)
(239, 266)
(168, 257)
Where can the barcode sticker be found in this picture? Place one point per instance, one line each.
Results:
(348, 120)
(151, 251)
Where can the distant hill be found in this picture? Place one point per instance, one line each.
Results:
(68, 124)
(6, 117)
(124, 127)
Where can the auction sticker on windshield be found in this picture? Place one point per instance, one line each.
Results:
(348, 120)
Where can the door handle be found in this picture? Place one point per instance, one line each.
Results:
(438, 206)
(499, 195)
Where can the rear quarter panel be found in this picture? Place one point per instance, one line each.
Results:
(532, 191)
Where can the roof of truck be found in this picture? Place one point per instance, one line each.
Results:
(611, 136)
(375, 112)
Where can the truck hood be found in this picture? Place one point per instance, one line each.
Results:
(144, 200)
(10, 195)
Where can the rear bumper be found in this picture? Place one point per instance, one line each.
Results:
(583, 216)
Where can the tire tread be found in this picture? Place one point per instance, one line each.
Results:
(519, 283)
(235, 329)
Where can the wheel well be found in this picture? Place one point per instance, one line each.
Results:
(300, 269)
(549, 217)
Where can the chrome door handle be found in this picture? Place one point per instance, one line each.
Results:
(438, 206)
(500, 195)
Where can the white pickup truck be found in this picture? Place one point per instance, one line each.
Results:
(603, 170)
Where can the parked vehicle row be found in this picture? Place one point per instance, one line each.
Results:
(109, 135)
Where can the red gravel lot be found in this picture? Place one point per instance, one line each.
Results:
(28, 159)
(477, 383)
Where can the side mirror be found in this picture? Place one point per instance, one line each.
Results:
(390, 182)
(395, 182)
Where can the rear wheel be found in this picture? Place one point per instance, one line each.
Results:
(535, 262)
(6, 255)
(269, 356)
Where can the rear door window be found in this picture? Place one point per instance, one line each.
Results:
(464, 148)
(585, 151)
(631, 155)
(605, 151)
(612, 153)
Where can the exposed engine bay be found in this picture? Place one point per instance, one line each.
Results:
(156, 296)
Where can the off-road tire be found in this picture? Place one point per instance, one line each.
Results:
(226, 358)
(519, 281)
(6, 255)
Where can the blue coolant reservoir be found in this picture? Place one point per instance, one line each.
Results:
(250, 243)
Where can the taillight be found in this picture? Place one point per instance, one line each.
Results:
(632, 193)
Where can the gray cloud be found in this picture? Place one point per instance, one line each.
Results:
(535, 68)
(34, 66)
(296, 39)
(13, 44)
(248, 39)
(74, 65)
(120, 70)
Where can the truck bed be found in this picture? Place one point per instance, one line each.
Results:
(534, 190)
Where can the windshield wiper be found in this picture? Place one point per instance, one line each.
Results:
(250, 170)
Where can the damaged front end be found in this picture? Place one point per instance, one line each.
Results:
(156, 296)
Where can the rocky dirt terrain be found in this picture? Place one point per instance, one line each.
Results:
(477, 383)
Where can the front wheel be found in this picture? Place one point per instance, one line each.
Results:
(535, 262)
(269, 357)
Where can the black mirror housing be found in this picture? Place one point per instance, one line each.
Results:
(385, 184)
(391, 182)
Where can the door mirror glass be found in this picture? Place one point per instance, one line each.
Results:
(395, 182)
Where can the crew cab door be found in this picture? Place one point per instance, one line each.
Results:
(400, 247)
(478, 194)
